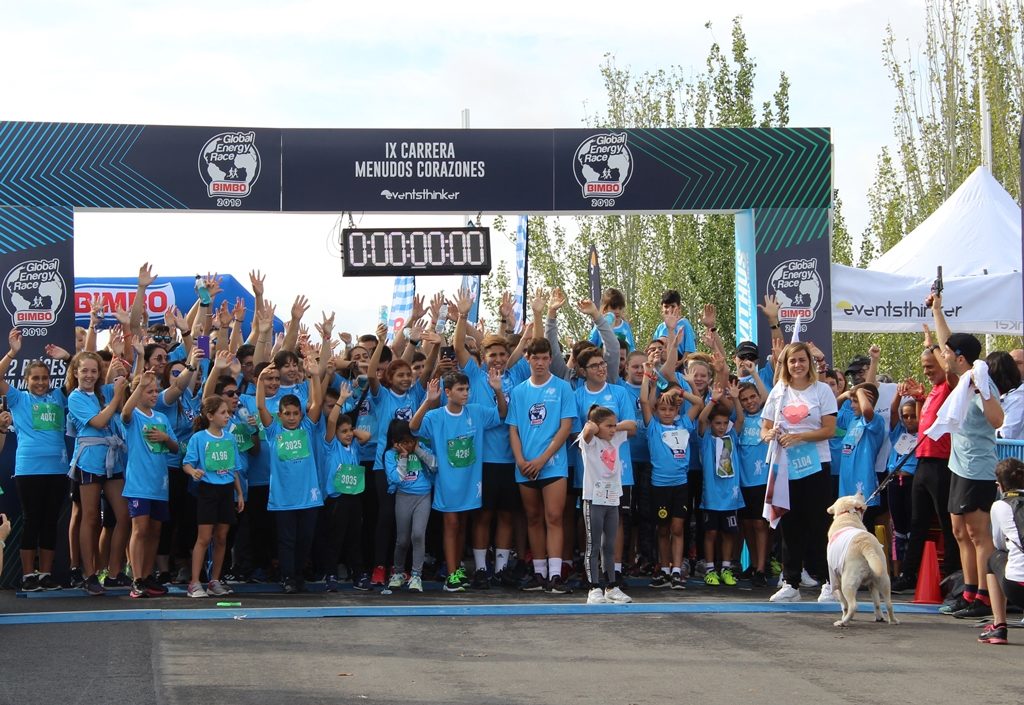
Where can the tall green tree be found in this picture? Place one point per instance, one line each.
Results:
(937, 130)
(644, 254)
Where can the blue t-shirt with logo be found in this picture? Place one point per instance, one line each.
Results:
(537, 412)
(894, 435)
(215, 455)
(720, 463)
(457, 440)
(496, 448)
(857, 457)
(145, 474)
(670, 456)
(389, 405)
(294, 476)
(752, 452)
(638, 449)
(39, 423)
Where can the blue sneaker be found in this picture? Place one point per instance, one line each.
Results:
(363, 583)
(332, 583)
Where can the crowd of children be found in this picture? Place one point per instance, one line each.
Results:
(282, 457)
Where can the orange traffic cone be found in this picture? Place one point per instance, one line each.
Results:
(927, 591)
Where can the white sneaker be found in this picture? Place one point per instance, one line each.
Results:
(782, 580)
(826, 594)
(196, 590)
(614, 594)
(786, 593)
(596, 597)
(217, 589)
(806, 581)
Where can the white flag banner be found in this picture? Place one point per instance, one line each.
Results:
(868, 301)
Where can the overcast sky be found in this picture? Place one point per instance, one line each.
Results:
(398, 64)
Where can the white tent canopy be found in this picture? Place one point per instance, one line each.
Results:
(975, 236)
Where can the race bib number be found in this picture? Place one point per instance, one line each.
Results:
(293, 445)
(606, 493)
(242, 437)
(461, 452)
(413, 468)
(905, 443)
(677, 441)
(349, 479)
(220, 457)
(802, 460)
(154, 446)
(47, 416)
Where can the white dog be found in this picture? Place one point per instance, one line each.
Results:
(855, 557)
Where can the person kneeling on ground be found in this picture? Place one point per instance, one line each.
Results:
(1006, 564)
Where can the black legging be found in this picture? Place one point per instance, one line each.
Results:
(339, 528)
(42, 497)
(384, 535)
(805, 526)
(930, 497)
(255, 538)
(901, 503)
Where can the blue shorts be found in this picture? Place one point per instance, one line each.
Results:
(155, 509)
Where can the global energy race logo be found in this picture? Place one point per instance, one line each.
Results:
(603, 165)
(230, 164)
(34, 293)
(797, 288)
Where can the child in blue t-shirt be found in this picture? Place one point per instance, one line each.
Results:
(721, 496)
(340, 524)
(860, 448)
(150, 439)
(211, 459)
(295, 488)
(903, 437)
(668, 440)
(753, 475)
(409, 468)
(456, 433)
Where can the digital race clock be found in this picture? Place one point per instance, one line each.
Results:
(378, 252)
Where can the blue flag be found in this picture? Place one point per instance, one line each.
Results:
(521, 256)
(401, 304)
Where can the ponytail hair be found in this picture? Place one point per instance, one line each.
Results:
(211, 405)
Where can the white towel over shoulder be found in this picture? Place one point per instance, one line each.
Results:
(953, 411)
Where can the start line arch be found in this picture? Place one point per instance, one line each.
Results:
(777, 182)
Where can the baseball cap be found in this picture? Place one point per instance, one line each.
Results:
(965, 344)
(858, 363)
(747, 348)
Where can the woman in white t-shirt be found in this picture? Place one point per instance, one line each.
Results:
(800, 417)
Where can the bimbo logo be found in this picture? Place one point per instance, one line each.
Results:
(230, 164)
(603, 165)
(34, 292)
(159, 298)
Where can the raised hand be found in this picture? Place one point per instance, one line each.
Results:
(464, 301)
(539, 301)
(419, 308)
(195, 356)
(213, 284)
(123, 317)
(224, 315)
(96, 312)
(494, 379)
(434, 390)
(382, 332)
(300, 307)
(436, 302)
(146, 276)
(928, 342)
(556, 299)
(346, 339)
(733, 390)
(344, 392)
(507, 307)
(708, 317)
(770, 307)
(875, 352)
(178, 319)
(222, 360)
(238, 311)
(14, 341)
(256, 279)
(588, 307)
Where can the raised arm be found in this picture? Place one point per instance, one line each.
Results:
(494, 380)
(291, 335)
(146, 277)
(311, 368)
(871, 376)
(429, 402)
(557, 300)
(770, 309)
(374, 364)
(14, 347)
(266, 418)
(102, 419)
(647, 399)
(463, 304)
(604, 329)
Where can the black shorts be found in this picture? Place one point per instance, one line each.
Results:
(215, 504)
(626, 500)
(967, 496)
(540, 484)
(499, 488)
(670, 502)
(726, 522)
(82, 477)
(753, 498)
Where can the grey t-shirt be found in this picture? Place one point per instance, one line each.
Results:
(973, 454)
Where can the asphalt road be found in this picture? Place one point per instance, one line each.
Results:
(590, 658)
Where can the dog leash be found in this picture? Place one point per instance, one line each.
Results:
(895, 471)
